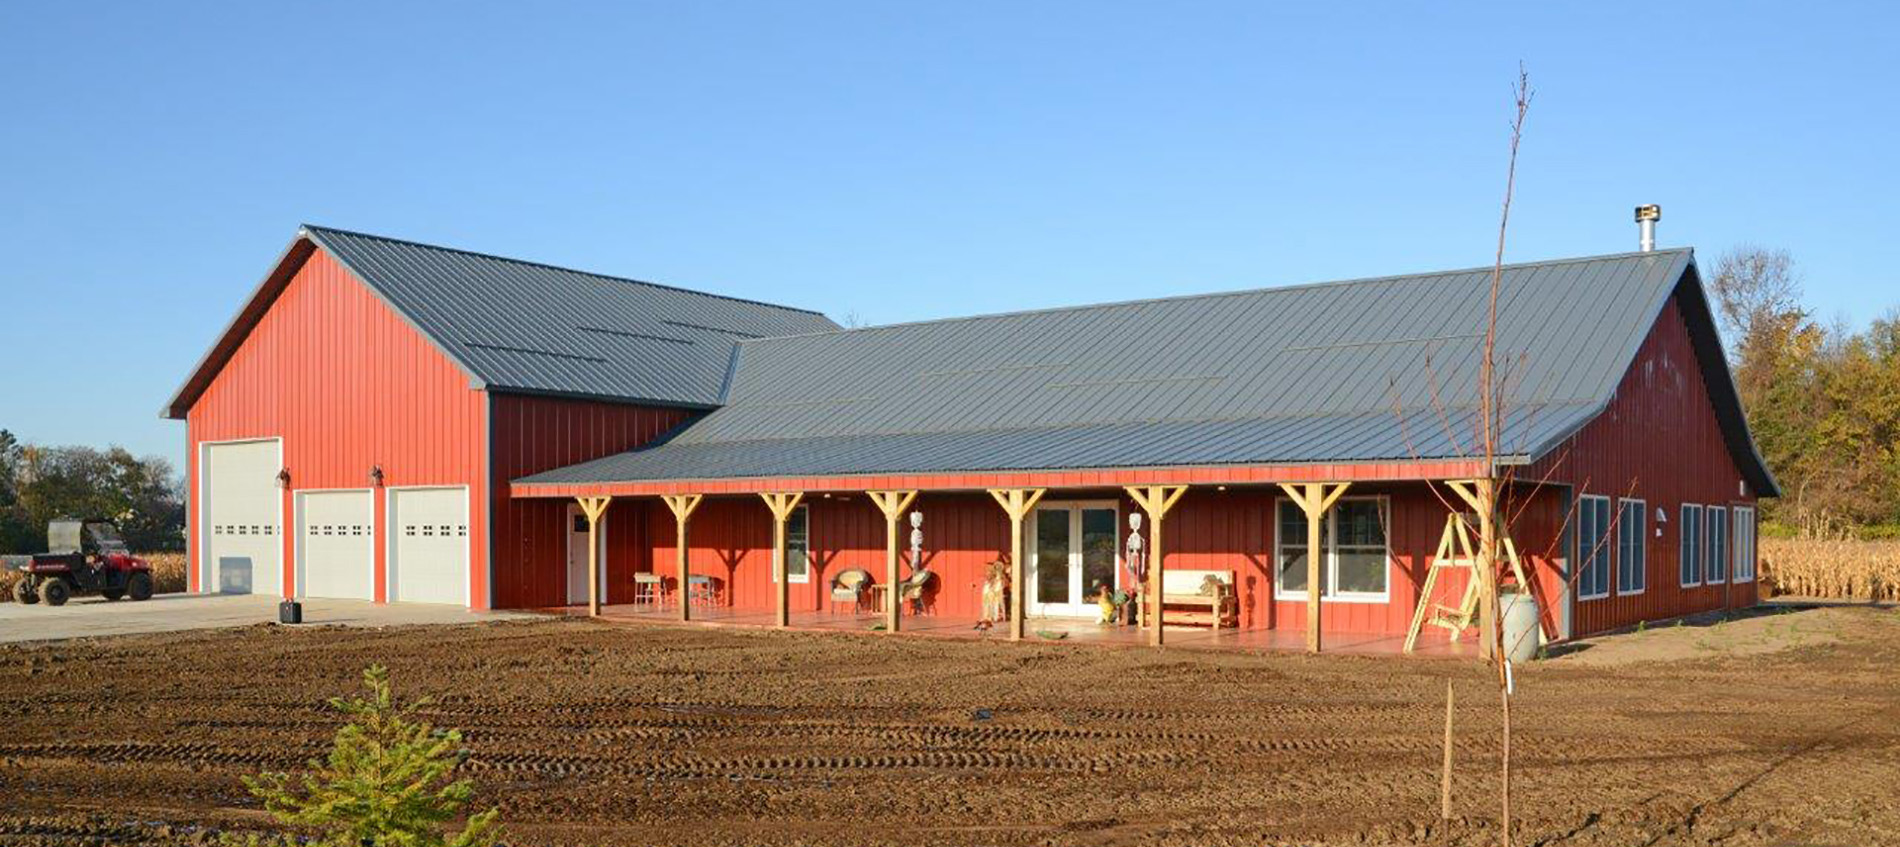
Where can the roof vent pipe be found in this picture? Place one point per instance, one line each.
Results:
(1646, 217)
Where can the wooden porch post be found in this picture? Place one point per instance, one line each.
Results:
(1481, 496)
(1156, 500)
(594, 508)
(892, 504)
(781, 503)
(1017, 503)
(1314, 499)
(682, 506)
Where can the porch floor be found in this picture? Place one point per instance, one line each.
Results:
(1432, 643)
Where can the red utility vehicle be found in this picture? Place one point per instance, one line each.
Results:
(86, 557)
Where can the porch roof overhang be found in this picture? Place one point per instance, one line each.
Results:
(1360, 446)
(1400, 471)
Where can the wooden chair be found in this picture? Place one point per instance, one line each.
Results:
(702, 590)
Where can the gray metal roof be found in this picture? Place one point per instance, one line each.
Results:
(534, 328)
(1331, 372)
(524, 326)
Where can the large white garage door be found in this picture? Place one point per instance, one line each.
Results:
(336, 537)
(243, 515)
(429, 561)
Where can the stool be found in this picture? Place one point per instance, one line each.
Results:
(702, 590)
(649, 589)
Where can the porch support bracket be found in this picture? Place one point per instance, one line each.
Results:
(595, 508)
(682, 506)
(1017, 503)
(1315, 499)
(781, 503)
(1156, 501)
(892, 504)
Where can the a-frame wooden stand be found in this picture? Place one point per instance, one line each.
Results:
(1455, 550)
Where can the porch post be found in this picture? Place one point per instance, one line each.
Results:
(594, 508)
(781, 503)
(1314, 499)
(1156, 500)
(682, 506)
(892, 504)
(1017, 503)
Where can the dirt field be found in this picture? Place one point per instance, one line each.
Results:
(1783, 729)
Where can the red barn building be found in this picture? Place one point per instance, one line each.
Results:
(397, 422)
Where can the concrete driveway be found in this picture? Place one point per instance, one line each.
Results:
(85, 617)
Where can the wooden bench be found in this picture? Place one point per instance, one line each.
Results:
(1183, 603)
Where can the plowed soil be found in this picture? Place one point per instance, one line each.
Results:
(601, 734)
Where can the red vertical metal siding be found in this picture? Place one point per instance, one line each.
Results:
(1658, 441)
(531, 434)
(348, 385)
(730, 539)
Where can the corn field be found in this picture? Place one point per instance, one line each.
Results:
(168, 575)
(1845, 570)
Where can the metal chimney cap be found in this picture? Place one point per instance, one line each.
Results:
(1648, 212)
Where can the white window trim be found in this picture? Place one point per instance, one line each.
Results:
(1642, 508)
(1708, 539)
(1583, 554)
(1330, 573)
(1683, 538)
(794, 578)
(1735, 521)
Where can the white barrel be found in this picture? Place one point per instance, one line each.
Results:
(1518, 611)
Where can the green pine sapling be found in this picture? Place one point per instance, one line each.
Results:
(388, 780)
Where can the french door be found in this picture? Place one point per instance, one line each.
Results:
(1072, 554)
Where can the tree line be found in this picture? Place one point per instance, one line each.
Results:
(1823, 399)
(144, 496)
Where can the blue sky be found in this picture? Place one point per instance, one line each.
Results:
(896, 161)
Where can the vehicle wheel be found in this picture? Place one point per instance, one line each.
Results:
(24, 592)
(55, 592)
(140, 586)
(112, 593)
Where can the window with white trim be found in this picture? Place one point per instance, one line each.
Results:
(797, 547)
(1744, 544)
(1593, 548)
(1689, 556)
(1358, 553)
(1718, 545)
(1632, 547)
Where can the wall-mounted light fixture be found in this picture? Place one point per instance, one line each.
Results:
(283, 478)
(375, 476)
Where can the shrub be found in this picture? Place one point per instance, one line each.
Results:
(387, 782)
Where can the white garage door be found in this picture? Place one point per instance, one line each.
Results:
(336, 537)
(243, 515)
(429, 561)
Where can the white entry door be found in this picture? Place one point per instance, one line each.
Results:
(336, 544)
(1072, 556)
(577, 556)
(242, 513)
(428, 561)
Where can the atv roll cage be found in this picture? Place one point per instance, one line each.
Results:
(89, 537)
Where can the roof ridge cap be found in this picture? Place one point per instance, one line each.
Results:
(1209, 295)
(317, 228)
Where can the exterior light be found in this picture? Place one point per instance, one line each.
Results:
(376, 476)
(283, 478)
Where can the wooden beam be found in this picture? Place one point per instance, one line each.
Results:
(594, 508)
(781, 503)
(682, 506)
(1017, 503)
(1314, 500)
(892, 504)
(1157, 500)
